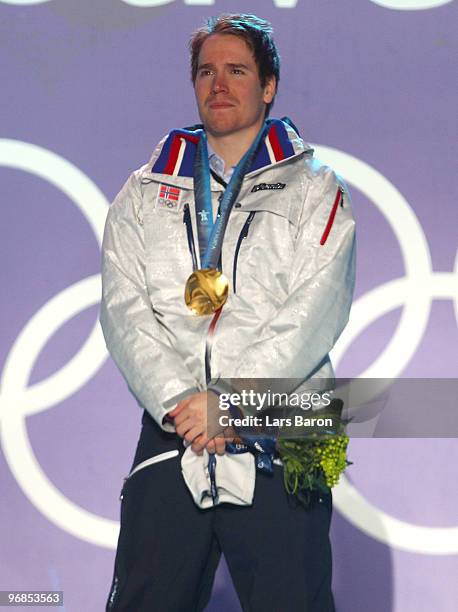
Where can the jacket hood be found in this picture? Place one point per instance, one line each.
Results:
(174, 155)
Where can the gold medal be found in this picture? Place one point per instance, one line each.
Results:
(206, 290)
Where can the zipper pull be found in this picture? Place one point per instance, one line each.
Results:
(246, 227)
(190, 235)
(220, 197)
(242, 236)
(186, 216)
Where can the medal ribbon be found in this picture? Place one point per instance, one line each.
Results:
(202, 195)
(211, 234)
(262, 444)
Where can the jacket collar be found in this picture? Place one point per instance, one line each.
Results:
(174, 156)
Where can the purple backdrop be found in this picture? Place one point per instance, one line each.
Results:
(88, 88)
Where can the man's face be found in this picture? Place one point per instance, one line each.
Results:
(229, 95)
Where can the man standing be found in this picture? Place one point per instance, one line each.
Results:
(229, 255)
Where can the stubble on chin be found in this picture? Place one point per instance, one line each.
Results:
(219, 127)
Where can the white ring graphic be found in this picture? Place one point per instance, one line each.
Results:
(414, 291)
(399, 5)
(410, 5)
(147, 3)
(16, 400)
(14, 406)
(62, 174)
(24, 2)
(417, 263)
(92, 203)
(390, 530)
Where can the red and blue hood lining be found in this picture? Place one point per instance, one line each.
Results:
(178, 151)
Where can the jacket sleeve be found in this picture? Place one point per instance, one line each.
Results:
(294, 343)
(154, 371)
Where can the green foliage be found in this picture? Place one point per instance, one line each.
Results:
(313, 464)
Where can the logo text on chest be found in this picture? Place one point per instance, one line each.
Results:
(267, 186)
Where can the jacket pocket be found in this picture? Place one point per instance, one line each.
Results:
(278, 203)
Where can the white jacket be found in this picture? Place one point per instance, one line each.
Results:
(288, 253)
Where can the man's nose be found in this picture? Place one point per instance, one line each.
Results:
(219, 83)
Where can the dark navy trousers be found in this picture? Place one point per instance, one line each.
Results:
(278, 552)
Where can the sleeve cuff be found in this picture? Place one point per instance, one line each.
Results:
(166, 422)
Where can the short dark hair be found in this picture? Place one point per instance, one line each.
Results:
(257, 34)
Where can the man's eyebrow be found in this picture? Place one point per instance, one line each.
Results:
(230, 65)
(238, 66)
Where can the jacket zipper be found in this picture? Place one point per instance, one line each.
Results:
(243, 234)
(190, 234)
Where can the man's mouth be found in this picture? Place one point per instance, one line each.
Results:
(216, 105)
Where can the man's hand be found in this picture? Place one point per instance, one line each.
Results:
(218, 444)
(196, 420)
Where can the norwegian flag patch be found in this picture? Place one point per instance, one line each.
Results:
(169, 197)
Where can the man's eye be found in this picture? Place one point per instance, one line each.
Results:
(205, 72)
(237, 71)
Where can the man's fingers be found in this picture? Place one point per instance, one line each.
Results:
(220, 445)
(188, 430)
(216, 445)
(181, 429)
(188, 419)
(229, 434)
(199, 443)
(179, 407)
(181, 416)
(193, 432)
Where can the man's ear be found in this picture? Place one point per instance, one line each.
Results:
(270, 89)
